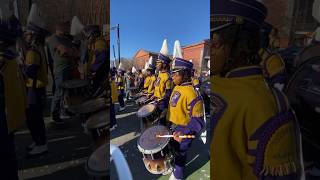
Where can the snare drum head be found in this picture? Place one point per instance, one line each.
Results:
(143, 98)
(75, 83)
(146, 110)
(148, 143)
(90, 106)
(98, 120)
(98, 162)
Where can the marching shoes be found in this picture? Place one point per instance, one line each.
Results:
(31, 146)
(122, 109)
(172, 177)
(37, 150)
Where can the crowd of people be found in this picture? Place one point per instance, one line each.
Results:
(29, 57)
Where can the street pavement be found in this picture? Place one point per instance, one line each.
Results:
(126, 136)
(69, 148)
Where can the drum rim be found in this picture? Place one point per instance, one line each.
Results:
(97, 125)
(147, 114)
(93, 172)
(156, 150)
(75, 108)
(79, 80)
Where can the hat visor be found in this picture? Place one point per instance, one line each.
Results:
(175, 70)
(217, 28)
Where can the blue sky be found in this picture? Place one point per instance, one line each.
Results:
(145, 23)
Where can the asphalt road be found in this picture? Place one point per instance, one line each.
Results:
(69, 148)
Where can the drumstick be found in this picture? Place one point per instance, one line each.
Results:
(169, 136)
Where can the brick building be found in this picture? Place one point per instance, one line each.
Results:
(142, 56)
(53, 11)
(291, 17)
(198, 52)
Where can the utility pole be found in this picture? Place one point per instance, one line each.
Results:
(114, 53)
(118, 29)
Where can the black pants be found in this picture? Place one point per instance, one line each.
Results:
(8, 162)
(113, 120)
(120, 99)
(35, 119)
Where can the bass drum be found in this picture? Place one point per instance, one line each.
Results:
(303, 91)
(307, 53)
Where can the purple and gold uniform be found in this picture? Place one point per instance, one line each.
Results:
(273, 67)
(147, 82)
(151, 85)
(162, 85)
(36, 69)
(255, 131)
(14, 91)
(196, 82)
(185, 112)
(120, 84)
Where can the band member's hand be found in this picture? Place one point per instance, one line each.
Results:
(176, 136)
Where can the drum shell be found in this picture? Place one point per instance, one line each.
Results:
(99, 135)
(76, 95)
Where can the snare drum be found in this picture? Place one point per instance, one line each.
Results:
(157, 156)
(142, 100)
(97, 165)
(138, 95)
(76, 92)
(98, 126)
(89, 106)
(149, 115)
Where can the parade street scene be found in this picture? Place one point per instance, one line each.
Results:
(54, 89)
(160, 87)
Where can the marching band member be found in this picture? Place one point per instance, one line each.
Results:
(148, 81)
(120, 86)
(185, 111)
(151, 74)
(163, 84)
(140, 80)
(36, 74)
(255, 133)
(12, 94)
(272, 64)
(114, 99)
(195, 80)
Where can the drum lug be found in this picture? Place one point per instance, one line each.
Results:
(152, 157)
(162, 153)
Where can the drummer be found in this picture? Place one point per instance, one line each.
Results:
(163, 83)
(195, 80)
(152, 79)
(12, 95)
(36, 74)
(185, 111)
(120, 86)
(255, 133)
